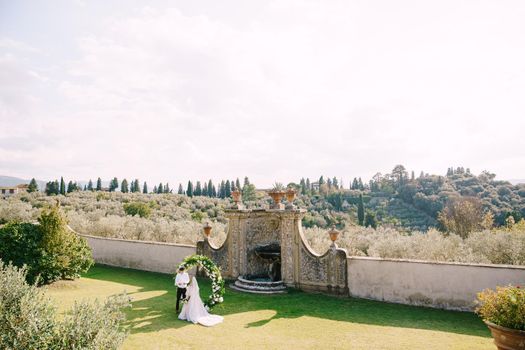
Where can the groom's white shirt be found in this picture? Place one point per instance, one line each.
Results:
(182, 280)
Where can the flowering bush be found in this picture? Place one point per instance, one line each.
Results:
(213, 272)
(505, 306)
(28, 320)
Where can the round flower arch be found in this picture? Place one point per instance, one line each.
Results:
(213, 272)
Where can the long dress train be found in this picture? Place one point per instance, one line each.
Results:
(194, 310)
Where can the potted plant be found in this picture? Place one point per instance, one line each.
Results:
(277, 193)
(503, 311)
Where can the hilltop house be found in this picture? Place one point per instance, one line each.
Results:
(12, 190)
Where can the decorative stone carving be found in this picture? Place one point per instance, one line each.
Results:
(300, 266)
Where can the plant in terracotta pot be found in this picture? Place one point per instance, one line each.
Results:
(277, 193)
(503, 311)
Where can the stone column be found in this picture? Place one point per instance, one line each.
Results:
(290, 240)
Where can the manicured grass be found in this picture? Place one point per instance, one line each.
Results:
(293, 321)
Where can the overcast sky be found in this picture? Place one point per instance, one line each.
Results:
(178, 90)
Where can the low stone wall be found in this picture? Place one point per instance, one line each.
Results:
(140, 255)
(443, 285)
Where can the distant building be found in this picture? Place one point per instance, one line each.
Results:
(12, 190)
(315, 186)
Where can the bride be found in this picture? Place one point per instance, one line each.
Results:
(193, 310)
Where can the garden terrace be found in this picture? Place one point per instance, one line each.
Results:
(293, 320)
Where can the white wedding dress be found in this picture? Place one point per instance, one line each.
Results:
(194, 310)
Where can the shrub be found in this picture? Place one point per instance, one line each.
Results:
(93, 325)
(20, 243)
(137, 208)
(50, 250)
(505, 307)
(28, 319)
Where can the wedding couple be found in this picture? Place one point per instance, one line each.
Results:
(193, 309)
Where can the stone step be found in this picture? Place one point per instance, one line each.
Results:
(261, 287)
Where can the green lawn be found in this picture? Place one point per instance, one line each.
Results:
(296, 320)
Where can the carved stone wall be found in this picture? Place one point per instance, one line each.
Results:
(300, 266)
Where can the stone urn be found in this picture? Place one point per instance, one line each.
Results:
(290, 195)
(334, 234)
(277, 196)
(236, 195)
(207, 230)
(507, 338)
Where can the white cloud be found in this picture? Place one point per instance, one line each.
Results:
(292, 89)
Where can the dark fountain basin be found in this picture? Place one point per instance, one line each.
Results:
(270, 283)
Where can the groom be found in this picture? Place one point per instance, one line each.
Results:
(181, 281)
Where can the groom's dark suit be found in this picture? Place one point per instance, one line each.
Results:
(181, 281)
(181, 294)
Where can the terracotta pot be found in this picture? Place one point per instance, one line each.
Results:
(334, 234)
(277, 196)
(507, 338)
(290, 195)
(236, 195)
(207, 230)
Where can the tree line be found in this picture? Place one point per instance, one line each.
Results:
(222, 189)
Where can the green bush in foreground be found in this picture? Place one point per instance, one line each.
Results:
(48, 249)
(28, 320)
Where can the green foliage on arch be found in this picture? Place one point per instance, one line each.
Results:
(213, 272)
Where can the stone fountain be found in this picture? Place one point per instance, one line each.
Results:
(265, 252)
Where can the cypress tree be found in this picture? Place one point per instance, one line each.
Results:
(69, 187)
(113, 185)
(302, 183)
(56, 187)
(360, 211)
(167, 188)
(180, 191)
(360, 184)
(62, 186)
(238, 183)
(227, 189)
(99, 184)
(33, 186)
(155, 189)
(189, 190)
(210, 189)
(51, 188)
(90, 185)
(222, 188)
(198, 189)
(308, 185)
(205, 189)
(136, 186)
(214, 191)
(145, 187)
(160, 189)
(124, 188)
